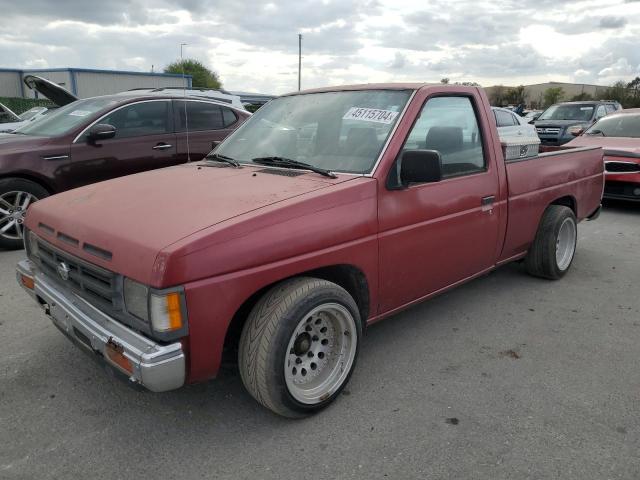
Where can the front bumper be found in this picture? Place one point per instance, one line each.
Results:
(616, 190)
(155, 366)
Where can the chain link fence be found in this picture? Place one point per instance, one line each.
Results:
(20, 105)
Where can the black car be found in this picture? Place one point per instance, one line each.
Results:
(561, 122)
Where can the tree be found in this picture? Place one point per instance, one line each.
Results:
(444, 81)
(202, 76)
(581, 97)
(618, 91)
(497, 95)
(515, 96)
(553, 95)
(634, 86)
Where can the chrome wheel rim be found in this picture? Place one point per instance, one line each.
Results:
(13, 206)
(320, 353)
(566, 244)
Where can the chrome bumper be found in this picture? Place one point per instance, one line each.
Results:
(156, 367)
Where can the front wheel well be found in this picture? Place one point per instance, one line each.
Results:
(30, 178)
(351, 278)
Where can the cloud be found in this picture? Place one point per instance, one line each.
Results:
(253, 44)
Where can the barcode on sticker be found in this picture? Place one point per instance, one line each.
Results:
(370, 115)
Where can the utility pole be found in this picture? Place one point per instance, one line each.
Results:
(299, 60)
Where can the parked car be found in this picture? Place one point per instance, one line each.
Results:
(219, 95)
(619, 135)
(532, 115)
(30, 115)
(561, 122)
(99, 138)
(7, 116)
(286, 250)
(511, 125)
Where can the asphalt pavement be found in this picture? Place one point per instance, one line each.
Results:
(506, 377)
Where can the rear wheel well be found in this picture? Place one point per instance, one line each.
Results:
(351, 278)
(567, 201)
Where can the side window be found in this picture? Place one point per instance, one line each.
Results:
(449, 125)
(200, 116)
(140, 119)
(228, 117)
(610, 109)
(504, 119)
(601, 112)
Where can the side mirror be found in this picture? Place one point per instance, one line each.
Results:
(419, 166)
(101, 131)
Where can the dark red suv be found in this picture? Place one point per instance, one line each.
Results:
(99, 138)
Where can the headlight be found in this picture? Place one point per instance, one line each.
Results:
(31, 244)
(136, 299)
(575, 130)
(163, 310)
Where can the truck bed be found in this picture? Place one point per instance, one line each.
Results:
(571, 176)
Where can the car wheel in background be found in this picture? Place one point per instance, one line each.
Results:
(554, 246)
(16, 195)
(299, 346)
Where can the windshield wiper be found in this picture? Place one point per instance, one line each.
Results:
(596, 132)
(289, 163)
(223, 158)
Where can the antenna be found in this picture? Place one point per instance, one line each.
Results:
(184, 91)
(299, 60)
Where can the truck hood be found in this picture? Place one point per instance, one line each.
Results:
(123, 224)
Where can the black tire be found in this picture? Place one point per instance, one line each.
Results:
(264, 343)
(7, 187)
(541, 260)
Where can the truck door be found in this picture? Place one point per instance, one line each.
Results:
(433, 235)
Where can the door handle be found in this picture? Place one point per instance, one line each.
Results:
(162, 146)
(488, 200)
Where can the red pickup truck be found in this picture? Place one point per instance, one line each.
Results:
(327, 211)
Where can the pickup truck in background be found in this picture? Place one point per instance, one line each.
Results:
(327, 211)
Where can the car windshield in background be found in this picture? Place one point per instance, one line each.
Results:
(568, 112)
(29, 114)
(66, 118)
(337, 131)
(624, 125)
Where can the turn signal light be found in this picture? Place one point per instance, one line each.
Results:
(115, 355)
(166, 312)
(27, 282)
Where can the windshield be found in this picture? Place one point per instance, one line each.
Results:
(29, 114)
(67, 118)
(337, 131)
(568, 112)
(625, 125)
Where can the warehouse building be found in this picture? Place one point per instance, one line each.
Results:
(85, 83)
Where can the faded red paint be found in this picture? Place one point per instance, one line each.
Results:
(225, 234)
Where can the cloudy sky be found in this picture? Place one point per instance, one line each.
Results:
(253, 44)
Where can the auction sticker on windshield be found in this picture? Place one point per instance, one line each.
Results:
(79, 113)
(370, 115)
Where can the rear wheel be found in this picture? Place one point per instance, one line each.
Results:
(554, 247)
(16, 196)
(299, 346)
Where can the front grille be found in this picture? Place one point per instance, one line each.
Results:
(548, 131)
(622, 190)
(622, 167)
(89, 280)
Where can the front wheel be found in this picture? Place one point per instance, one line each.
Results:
(299, 346)
(554, 246)
(16, 196)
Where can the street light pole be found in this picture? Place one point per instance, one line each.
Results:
(299, 60)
